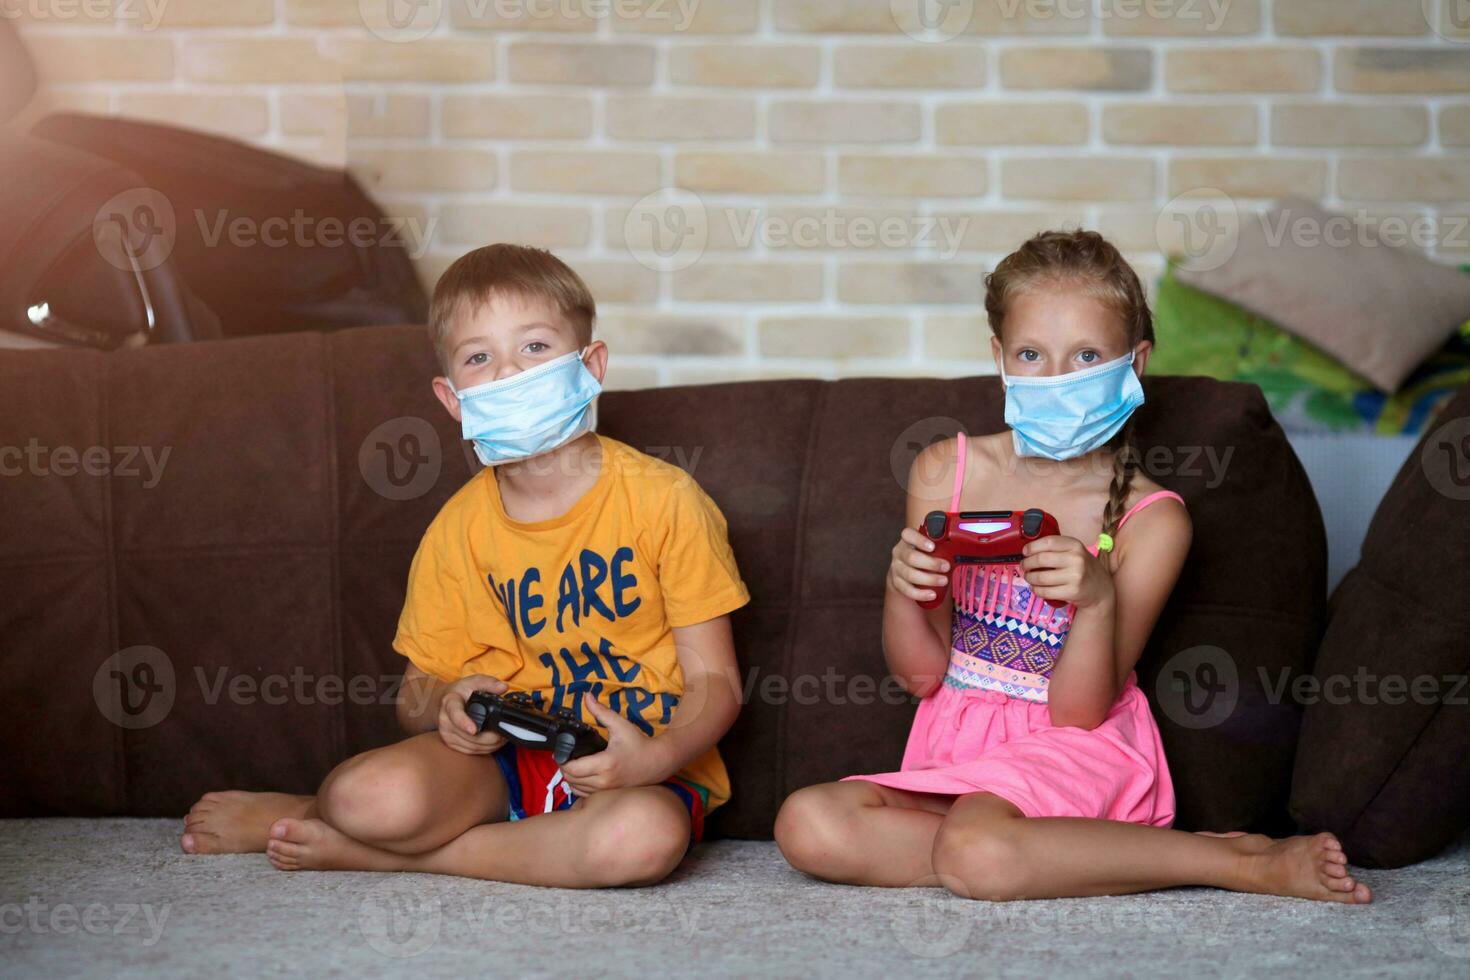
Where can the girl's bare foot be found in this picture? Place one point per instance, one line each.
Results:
(235, 822)
(312, 845)
(1312, 867)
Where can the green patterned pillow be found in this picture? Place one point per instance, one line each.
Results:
(1307, 389)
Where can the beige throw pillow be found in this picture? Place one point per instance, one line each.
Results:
(1354, 289)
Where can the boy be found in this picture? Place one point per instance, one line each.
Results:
(573, 567)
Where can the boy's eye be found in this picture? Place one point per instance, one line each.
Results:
(1088, 356)
(478, 359)
(535, 347)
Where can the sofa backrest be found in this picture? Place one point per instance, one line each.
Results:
(205, 548)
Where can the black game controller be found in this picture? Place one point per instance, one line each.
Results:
(517, 718)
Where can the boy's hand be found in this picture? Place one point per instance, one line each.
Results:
(630, 759)
(456, 728)
(1060, 568)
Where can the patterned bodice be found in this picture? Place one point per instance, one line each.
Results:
(1003, 637)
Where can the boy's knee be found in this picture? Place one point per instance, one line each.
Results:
(635, 840)
(376, 796)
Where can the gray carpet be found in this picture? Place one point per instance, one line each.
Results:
(116, 898)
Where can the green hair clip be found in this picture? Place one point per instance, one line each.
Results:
(1104, 543)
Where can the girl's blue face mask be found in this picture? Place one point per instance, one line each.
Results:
(1067, 415)
(530, 413)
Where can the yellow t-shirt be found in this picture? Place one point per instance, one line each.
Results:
(583, 604)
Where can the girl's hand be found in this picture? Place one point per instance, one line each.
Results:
(456, 728)
(1061, 569)
(630, 759)
(914, 572)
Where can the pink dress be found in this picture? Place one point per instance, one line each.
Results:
(988, 728)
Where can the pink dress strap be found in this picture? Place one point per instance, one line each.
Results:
(1157, 495)
(959, 474)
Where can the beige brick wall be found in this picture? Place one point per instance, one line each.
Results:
(770, 188)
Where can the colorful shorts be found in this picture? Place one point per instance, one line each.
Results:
(536, 786)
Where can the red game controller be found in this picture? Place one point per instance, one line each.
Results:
(982, 537)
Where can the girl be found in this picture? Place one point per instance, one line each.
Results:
(1031, 710)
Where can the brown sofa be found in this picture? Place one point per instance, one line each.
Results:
(1385, 735)
(221, 616)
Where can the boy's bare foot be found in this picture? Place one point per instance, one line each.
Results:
(312, 845)
(1312, 867)
(236, 822)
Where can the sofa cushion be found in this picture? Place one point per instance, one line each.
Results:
(1336, 283)
(1387, 726)
(228, 623)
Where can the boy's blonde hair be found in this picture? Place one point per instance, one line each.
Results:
(1087, 260)
(503, 269)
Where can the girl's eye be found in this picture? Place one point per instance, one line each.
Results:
(1028, 355)
(478, 359)
(1088, 356)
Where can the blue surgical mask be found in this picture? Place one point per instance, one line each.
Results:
(530, 413)
(1067, 415)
